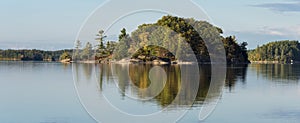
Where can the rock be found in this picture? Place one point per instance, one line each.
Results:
(160, 62)
(156, 62)
(135, 61)
(164, 63)
(65, 61)
(141, 57)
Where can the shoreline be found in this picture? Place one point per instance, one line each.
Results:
(125, 62)
(149, 62)
(273, 62)
(142, 62)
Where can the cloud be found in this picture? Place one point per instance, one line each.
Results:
(274, 32)
(291, 31)
(281, 7)
(266, 34)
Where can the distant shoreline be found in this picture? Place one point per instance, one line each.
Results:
(273, 62)
(141, 63)
(16, 59)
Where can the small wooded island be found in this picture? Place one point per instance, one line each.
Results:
(146, 45)
(276, 52)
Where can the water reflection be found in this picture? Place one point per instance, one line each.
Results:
(235, 73)
(283, 73)
(127, 76)
(83, 71)
(115, 87)
(87, 70)
(138, 75)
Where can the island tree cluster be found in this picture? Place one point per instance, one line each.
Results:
(170, 37)
(279, 51)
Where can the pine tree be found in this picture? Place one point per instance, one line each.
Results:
(122, 46)
(76, 55)
(100, 47)
(87, 51)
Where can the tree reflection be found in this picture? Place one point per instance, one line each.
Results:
(126, 76)
(139, 76)
(278, 72)
(87, 70)
(103, 71)
(234, 73)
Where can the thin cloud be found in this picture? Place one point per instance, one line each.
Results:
(281, 7)
(292, 32)
(258, 37)
(266, 34)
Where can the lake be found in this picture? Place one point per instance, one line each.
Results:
(41, 92)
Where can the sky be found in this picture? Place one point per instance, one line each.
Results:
(54, 24)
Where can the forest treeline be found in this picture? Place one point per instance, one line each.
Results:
(278, 51)
(33, 55)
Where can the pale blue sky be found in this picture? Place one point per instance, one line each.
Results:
(54, 24)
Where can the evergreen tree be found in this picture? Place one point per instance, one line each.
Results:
(76, 55)
(100, 51)
(110, 47)
(64, 56)
(122, 46)
(87, 51)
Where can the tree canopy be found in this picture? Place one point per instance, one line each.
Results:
(279, 51)
(31, 55)
(171, 37)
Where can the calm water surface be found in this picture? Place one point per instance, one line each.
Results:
(37, 92)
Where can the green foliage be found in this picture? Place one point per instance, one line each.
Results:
(65, 55)
(35, 55)
(76, 55)
(110, 47)
(177, 35)
(280, 51)
(122, 47)
(183, 28)
(87, 51)
(100, 51)
(123, 34)
(32, 55)
(235, 53)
